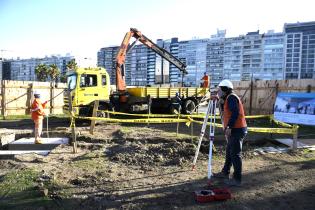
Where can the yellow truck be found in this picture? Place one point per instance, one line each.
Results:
(86, 85)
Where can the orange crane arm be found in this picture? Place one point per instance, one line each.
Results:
(125, 47)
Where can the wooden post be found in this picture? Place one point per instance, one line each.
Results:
(295, 137)
(72, 125)
(74, 135)
(3, 98)
(4, 101)
(149, 101)
(95, 108)
(251, 97)
(179, 111)
(31, 97)
(51, 97)
(192, 131)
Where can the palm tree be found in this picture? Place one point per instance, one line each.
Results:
(72, 65)
(42, 71)
(54, 72)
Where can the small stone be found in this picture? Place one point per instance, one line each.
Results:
(44, 192)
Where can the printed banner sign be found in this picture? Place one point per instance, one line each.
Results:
(297, 108)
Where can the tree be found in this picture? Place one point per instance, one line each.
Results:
(53, 72)
(42, 72)
(72, 65)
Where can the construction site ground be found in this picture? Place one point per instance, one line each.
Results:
(149, 167)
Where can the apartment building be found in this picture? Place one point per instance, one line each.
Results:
(300, 50)
(24, 69)
(283, 55)
(273, 56)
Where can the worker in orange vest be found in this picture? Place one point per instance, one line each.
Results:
(205, 79)
(38, 113)
(235, 129)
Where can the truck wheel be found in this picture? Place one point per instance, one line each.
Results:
(105, 107)
(189, 106)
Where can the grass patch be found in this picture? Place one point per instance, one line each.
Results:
(17, 181)
(18, 190)
(91, 161)
(27, 116)
(16, 117)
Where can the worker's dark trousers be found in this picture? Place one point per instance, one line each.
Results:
(233, 154)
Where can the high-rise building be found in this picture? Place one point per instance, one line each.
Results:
(300, 50)
(24, 69)
(106, 58)
(232, 59)
(252, 56)
(215, 57)
(194, 53)
(6, 72)
(273, 57)
(289, 54)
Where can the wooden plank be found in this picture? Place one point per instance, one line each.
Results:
(289, 143)
(4, 112)
(95, 108)
(21, 152)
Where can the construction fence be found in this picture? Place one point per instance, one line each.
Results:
(258, 96)
(17, 96)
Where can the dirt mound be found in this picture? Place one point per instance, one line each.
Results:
(143, 153)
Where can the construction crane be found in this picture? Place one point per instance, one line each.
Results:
(125, 47)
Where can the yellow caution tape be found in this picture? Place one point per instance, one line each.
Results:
(200, 115)
(280, 123)
(189, 119)
(144, 120)
(140, 115)
(271, 130)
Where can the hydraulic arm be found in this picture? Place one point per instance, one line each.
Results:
(125, 47)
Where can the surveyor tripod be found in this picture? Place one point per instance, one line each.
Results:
(211, 113)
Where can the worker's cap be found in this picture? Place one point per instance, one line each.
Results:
(36, 93)
(226, 83)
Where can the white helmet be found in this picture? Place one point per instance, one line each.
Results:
(226, 83)
(36, 92)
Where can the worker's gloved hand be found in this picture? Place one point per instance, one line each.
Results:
(228, 132)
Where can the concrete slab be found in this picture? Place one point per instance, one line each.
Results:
(19, 152)
(300, 143)
(29, 144)
(309, 142)
(6, 138)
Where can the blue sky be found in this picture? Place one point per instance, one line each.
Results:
(34, 28)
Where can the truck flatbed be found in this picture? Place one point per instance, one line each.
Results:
(166, 92)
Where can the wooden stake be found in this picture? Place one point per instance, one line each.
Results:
(95, 108)
(295, 137)
(4, 111)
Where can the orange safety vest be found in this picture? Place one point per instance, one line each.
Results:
(205, 78)
(240, 121)
(37, 104)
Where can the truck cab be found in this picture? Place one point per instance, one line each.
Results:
(87, 85)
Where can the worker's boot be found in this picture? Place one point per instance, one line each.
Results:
(38, 141)
(233, 182)
(221, 175)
